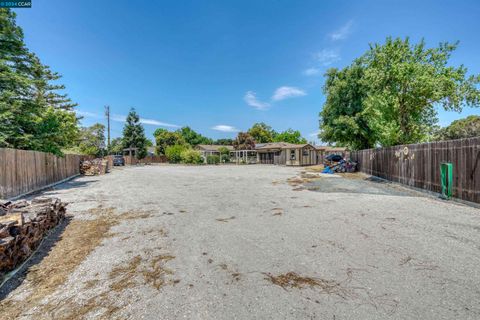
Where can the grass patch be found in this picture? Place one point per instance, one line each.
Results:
(294, 280)
(78, 240)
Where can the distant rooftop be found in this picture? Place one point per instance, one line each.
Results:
(213, 147)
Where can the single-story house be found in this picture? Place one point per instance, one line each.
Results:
(279, 153)
(283, 153)
(212, 149)
(300, 155)
(270, 153)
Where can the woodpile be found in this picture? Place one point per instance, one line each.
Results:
(23, 225)
(93, 167)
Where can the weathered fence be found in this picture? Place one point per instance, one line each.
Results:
(23, 171)
(131, 160)
(418, 165)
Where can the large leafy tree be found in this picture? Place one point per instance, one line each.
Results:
(33, 115)
(405, 83)
(244, 141)
(262, 133)
(134, 135)
(165, 138)
(468, 127)
(398, 90)
(116, 146)
(224, 142)
(193, 138)
(92, 140)
(290, 136)
(343, 119)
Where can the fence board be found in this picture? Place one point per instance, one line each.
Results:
(418, 165)
(23, 171)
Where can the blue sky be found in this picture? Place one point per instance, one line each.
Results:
(220, 66)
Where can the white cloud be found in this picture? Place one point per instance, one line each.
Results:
(343, 32)
(287, 92)
(311, 71)
(327, 56)
(314, 134)
(122, 118)
(87, 114)
(158, 123)
(251, 99)
(225, 128)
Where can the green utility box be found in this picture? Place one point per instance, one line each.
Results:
(446, 177)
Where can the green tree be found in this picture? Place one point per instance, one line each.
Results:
(17, 114)
(116, 146)
(468, 127)
(32, 114)
(174, 153)
(165, 138)
(244, 141)
(290, 136)
(134, 135)
(262, 133)
(343, 120)
(191, 156)
(403, 83)
(193, 138)
(92, 140)
(57, 130)
(224, 154)
(224, 142)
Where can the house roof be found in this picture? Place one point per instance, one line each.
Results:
(296, 146)
(213, 147)
(280, 145)
(270, 145)
(330, 149)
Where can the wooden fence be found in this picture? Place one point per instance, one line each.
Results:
(418, 165)
(23, 171)
(131, 160)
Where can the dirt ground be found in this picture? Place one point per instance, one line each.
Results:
(250, 242)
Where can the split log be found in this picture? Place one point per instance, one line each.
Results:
(93, 167)
(23, 227)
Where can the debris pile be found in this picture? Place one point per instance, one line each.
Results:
(340, 166)
(23, 225)
(93, 167)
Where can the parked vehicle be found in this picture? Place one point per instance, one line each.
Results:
(334, 157)
(118, 160)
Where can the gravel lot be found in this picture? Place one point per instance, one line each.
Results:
(241, 242)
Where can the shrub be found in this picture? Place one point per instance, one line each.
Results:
(174, 153)
(224, 154)
(191, 156)
(213, 159)
(225, 158)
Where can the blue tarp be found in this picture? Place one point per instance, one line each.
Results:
(327, 170)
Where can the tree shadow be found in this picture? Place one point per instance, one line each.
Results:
(42, 251)
(52, 191)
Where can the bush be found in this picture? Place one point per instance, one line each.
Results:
(174, 153)
(191, 156)
(225, 158)
(213, 159)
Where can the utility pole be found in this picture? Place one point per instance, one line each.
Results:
(107, 114)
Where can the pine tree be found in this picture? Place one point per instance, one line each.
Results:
(134, 135)
(33, 115)
(16, 110)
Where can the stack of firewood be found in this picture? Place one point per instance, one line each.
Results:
(23, 225)
(93, 167)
